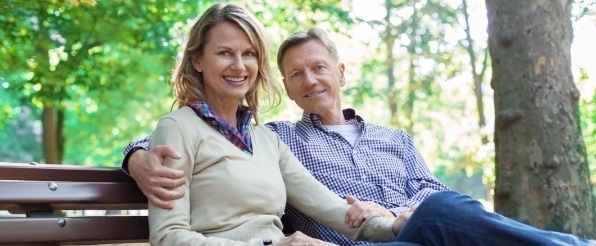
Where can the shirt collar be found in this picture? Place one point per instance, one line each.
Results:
(244, 115)
(349, 115)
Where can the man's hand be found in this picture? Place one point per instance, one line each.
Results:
(156, 181)
(299, 238)
(403, 218)
(362, 210)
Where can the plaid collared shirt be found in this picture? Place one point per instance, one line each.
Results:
(382, 166)
(239, 135)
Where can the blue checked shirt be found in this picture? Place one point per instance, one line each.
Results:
(383, 166)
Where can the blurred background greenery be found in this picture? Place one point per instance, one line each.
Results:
(80, 79)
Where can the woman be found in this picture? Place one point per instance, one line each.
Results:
(239, 175)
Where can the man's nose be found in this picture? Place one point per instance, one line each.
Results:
(309, 79)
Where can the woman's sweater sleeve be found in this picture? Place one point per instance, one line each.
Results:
(172, 227)
(315, 200)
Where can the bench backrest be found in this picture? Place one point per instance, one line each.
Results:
(41, 192)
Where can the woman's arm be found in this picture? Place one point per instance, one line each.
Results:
(172, 227)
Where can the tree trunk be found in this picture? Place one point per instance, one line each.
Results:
(542, 175)
(392, 92)
(412, 85)
(53, 137)
(410, 89)
(477, 76)
(389, 41)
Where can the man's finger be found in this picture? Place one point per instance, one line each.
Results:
(351, 199)
(170, 173)
(357, 217)
(156, 157)
(166, 194)
(173, 183)
(166, 172)
(162, 176)
(166, 151)
(158, 202)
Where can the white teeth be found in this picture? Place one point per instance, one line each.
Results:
(314, 94)
(234, 79)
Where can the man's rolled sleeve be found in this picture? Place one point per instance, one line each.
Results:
(131, 148)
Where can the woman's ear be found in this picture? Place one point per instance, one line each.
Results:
(197, 64)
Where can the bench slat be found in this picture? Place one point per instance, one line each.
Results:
(71, 195)
(77, 230)
(42, 191)
(50, 172)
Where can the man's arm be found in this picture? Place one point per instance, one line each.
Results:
(420, 184)
(154, 180)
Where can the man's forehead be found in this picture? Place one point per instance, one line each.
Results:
(307, 52)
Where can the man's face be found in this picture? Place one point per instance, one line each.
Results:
(312, 78)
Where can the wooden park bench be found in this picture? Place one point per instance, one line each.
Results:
(41, 200)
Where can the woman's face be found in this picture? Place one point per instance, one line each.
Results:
(229, 63)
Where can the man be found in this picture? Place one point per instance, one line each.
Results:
(377, 165)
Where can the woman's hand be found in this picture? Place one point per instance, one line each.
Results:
(299, 238)
(362, 210)
(403, 218)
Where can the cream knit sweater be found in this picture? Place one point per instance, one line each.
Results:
(233, 198)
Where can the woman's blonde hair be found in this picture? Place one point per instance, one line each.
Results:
(188, 83)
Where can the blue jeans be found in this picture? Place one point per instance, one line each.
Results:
(448, 218)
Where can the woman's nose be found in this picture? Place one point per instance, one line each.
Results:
(237, 63)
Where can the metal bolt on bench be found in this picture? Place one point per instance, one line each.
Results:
(35, 195)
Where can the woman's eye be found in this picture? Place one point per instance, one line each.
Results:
(250, 54)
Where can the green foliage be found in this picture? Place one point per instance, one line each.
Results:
(416, 34)
(104, 64)
(107, 65)
(583, 8)
(459, 180)
(289, 16)
(20, 138)
(425, 63)
(366, 88)
(588, 124)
